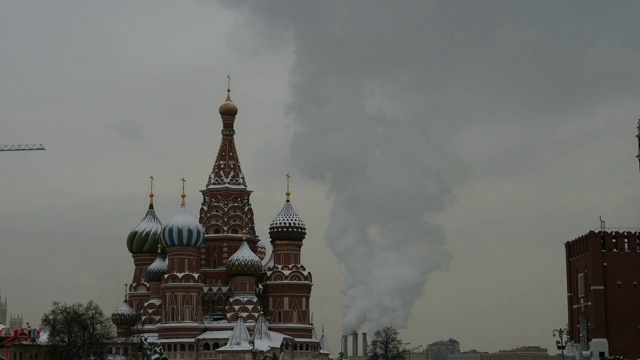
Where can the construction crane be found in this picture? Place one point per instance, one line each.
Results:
(27, 147)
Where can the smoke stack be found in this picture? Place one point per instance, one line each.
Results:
(355, 344)
(345, 349)
(364, 344)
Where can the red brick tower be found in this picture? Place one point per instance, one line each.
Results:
(244, 267)
(288, 283)
(603, 272)
(181, 286)
(225, 209)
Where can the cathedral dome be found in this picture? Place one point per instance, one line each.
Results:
(144, 239)
(158, 267)
(287, 225)
(125, 315)
(228, 108)
(182, 230)
(244, 262)
(261, 250)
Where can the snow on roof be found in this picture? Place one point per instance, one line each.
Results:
(262, 335)
(215, 334)
(324, 346)
(239, 339)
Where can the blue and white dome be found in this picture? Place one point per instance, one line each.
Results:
(182, 230)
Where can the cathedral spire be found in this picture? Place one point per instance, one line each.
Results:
(226, 170)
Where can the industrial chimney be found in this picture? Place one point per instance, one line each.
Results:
(355, 344)
(364, 344)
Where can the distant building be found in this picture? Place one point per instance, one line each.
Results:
(15, 321)
(3, 310)
(520, 353)
(440, 350)
(603, 272)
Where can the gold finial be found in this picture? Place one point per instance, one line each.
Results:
(151, 193)
(288, 192)
(125, 292)
(183, 194)
(228, 87)
(159, 248)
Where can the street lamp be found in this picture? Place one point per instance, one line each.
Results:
(344, 343)
(560, 344)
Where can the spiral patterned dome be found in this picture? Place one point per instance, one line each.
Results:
(144, 239)
(287, 225)
(125, 315)
(261, 250)
(182, 230)
(157, 269)
(244, 262)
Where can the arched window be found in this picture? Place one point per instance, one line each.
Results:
(206, 347)
(182, 347)
(190, 347)
(216, 346)
(216, 231)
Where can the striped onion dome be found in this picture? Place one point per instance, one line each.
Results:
(287, 225)
(144, 239)
(125, 315)
(182, 230)
(261, 250)
(244, 262)
(158, 267)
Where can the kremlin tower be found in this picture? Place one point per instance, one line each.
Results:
(200, 288)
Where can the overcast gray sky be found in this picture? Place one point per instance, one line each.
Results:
(441, 152)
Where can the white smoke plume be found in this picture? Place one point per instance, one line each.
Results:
(367, 129)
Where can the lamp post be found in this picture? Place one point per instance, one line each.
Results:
(560, 344)
(344, 343)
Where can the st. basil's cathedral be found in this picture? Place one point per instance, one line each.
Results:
(200, 289)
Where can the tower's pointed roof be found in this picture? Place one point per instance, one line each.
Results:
(240, 336)
(226, 170)
(324, 346)
(261, 334)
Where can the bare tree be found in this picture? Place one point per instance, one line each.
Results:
(77, 331)
(386, 345)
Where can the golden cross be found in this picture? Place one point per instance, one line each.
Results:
(183, 194)
(228, 82)
(151, 177)
(288, 192)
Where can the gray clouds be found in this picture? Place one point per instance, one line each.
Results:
(504, 128)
